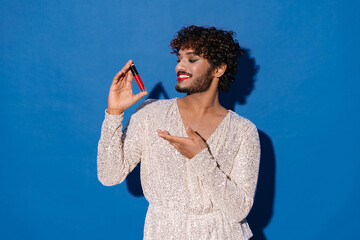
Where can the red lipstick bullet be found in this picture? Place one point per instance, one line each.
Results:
(137, 77)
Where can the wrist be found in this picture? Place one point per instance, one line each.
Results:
(114, 111)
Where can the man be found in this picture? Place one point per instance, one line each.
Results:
(199, 161)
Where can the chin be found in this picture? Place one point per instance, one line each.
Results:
(189, 91)
(180, 89)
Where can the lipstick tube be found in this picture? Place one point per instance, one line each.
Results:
(137, 77)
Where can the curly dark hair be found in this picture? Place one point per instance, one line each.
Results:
(217, 46)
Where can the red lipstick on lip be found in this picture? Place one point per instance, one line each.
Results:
(137, 77)
(183, 73)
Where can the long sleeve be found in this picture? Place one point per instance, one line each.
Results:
(119, 151)
(234, 194)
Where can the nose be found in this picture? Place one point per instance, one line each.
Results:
(180, 66)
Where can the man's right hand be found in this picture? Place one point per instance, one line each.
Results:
(121, 96)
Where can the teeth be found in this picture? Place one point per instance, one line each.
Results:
(183, 76)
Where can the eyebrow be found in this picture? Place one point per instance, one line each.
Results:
(188, 53)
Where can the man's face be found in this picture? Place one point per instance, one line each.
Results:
(194, 73)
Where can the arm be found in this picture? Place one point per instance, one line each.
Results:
(234, 194)
(119, 153)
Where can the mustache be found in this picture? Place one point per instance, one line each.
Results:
(182, 72)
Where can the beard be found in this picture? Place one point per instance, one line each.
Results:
(199, 85)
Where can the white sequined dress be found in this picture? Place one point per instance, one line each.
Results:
(206, 197)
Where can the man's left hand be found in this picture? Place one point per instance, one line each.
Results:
(189, 146)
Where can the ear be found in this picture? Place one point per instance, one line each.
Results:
(219, 71)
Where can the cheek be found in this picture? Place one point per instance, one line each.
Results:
(194, 69)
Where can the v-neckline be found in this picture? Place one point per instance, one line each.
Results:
(184, 128)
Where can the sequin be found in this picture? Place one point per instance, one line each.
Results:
(206, 197)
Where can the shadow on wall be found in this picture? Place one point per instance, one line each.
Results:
(262, 210)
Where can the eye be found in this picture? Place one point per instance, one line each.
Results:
(192, 60)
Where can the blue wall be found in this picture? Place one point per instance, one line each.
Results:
(57, 60)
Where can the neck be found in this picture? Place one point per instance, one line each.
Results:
(204, 102)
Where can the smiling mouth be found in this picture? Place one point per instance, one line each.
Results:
(181, 76)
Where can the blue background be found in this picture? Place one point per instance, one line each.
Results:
(57, 61)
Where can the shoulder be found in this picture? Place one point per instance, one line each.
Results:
(148, 111)
(159, 103)
(153, 106)
(241, 123)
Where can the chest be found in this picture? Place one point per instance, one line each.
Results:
(205, 126)
(170, 164)
(204, 130)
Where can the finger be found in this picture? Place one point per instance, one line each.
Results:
(191, 133)
(122, 72)
(164, 134)
(140, 95)
(129, 76)
(127, 65)
(172, 139)
(159, 132)
(173, 143)
(117, 77)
